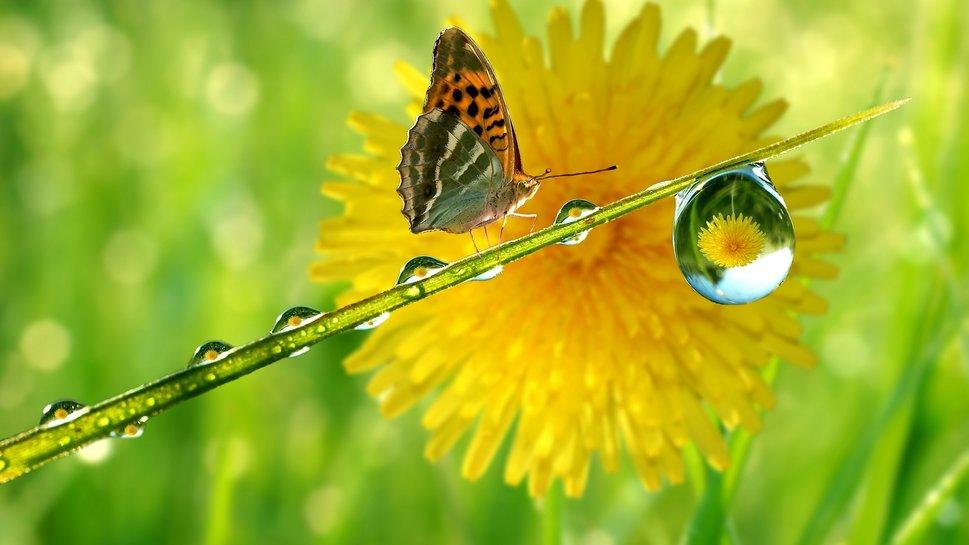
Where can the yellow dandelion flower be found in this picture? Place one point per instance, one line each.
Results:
(733, 241)
(579, 350)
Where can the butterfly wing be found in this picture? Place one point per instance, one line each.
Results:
(464, 85)
(448, 177)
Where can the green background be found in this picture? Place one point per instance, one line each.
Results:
(160, 164)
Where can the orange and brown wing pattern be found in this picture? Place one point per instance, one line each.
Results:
(464, 85)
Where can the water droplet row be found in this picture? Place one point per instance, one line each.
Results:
(63, 411)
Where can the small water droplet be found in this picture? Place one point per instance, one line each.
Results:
(419, 268)
(413, 292)
(733, 236)
(150, 402)
(572, 212)
(489, 274)
(373, 322)
(3, 464)
(61, 411)
(64, 441)
(104, 422)
(294, 317)
(131, 430)
(209, 352)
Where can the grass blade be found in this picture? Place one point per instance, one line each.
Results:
(849, 164)
(920, 521)
(934, 330)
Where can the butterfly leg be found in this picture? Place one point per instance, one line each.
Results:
(501, 232)
(487, 238)
(533, 216)
(473, 241)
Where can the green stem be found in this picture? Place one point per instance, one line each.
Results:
(552, 516)
(33, 448)
(707, 525)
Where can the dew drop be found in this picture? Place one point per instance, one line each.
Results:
(732, 235)
(209, 352)
(373, 322)
(131, 430)
(61, 411)
(294, 317)
(3, 464)
(572, 212)
(419, 268)
(489, 274)
(413, 292)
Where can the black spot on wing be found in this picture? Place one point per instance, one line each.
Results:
(497, 137)
(497, 123)
(473, 109)
(453, 110)
(488, 112)
(477, 129)
(472, 91)
(457, 95)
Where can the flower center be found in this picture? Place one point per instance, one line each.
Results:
(732, 241)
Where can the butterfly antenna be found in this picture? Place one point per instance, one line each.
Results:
(547, 171)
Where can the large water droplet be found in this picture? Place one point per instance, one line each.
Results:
(210, 352)
(572, 212)
(132, 430)
(294, 317)
(420, 268)
(733, 236)
(373, 322)
(489, 274)
(61, 411)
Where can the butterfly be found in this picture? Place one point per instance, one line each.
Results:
(460, 168)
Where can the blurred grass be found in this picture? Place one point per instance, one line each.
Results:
(159, 171)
